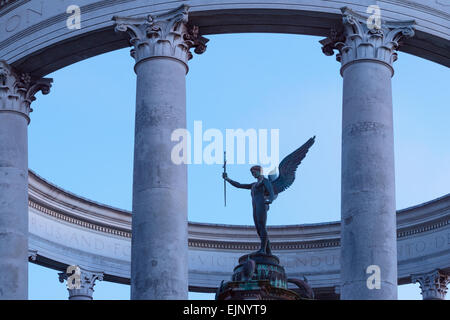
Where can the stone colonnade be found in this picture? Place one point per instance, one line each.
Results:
(433, 284)
(159, 265)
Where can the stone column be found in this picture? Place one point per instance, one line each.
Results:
(159, 250)
(432, 284)
(17, 92)
(368, 215)
(80, 283)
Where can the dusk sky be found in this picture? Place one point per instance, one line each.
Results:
(81, 134)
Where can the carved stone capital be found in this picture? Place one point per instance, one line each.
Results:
(165, 35)
(81, 283)
(432, 284)
(18, 90)
(358, 40)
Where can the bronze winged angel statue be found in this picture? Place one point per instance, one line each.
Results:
(265, 190)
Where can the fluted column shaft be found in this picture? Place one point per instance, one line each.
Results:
(159, 250)
(368, 220)
(16, 94)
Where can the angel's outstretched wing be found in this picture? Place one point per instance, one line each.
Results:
(288, 167)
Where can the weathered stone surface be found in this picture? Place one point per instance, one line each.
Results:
(83, 290)
(53, 46)
(159, 250)
(434, 284)
(99, 238)
(36, 22)
(16, 94)
(368, 225)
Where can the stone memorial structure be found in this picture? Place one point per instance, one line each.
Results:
(38, 37)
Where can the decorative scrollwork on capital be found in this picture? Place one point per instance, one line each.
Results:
(18, 90)
(433, 284)
(81, 283)
(358, 40)
(165, 35)
(195, 40)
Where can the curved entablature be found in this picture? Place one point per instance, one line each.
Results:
(35, 38)
(38, 37)
(66, 229)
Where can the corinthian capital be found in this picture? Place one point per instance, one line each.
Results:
(80, 283)
(17, 91)
(165, 35)
(358, 39)
(433, 284)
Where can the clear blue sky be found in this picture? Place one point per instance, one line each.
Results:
(81, 134)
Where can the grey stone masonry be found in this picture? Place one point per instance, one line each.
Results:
(80, 283)
(17, 92)
(434, 284)
(159, 249)
(368, 221)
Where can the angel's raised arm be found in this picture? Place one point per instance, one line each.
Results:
(237, 184)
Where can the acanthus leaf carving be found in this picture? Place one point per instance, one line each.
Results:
(195, 39)
(433, 284)
(18, 90)
(355, 40)
(86, 284)
(165, 35)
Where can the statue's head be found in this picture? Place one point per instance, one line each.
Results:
(256, 171)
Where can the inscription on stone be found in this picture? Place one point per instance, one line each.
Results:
(24, 17)
(75, 238)
(420, 247)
